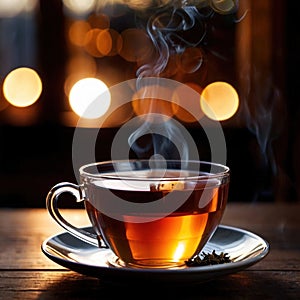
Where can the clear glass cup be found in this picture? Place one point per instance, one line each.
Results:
(150, 213)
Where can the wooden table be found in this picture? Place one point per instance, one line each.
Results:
(26, 273)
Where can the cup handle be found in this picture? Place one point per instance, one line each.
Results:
(52, 207)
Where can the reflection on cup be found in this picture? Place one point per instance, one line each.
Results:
(151, 214)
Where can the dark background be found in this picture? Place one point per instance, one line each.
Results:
(35, 157)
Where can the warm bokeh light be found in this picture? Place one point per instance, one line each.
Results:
(190, 60)
(185, 102)
(77, 32)
(119, 112)
(104, 42)
(148, 106)
(224, 6)
(79, 7)
(83, 65)
(11, 8)
(171, 68)
(219, 101)
(90, 98)
(99, 20)
(133, 4)
(139, 4)
(109, 42)
(78, 67)
(153, 99)
(90, 42)
(136, 45)
(22, 87)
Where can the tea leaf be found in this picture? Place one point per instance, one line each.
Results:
(208, 259)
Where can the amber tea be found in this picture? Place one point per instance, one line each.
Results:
(151, 214)
(171, 238)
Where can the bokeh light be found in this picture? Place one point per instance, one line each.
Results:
(149, 100)
(145, 107)
(133, 4)
(22, 87)
(90, 98)
(136, 45)
(83, 65)
(77, 32)
(185, 102)
(109, 42)
(11, 8)
(224, 6)
(79, 7)
(219, 101)
(79, 67)
(90, 42)
(190, 60)
(99, 20)
(104, 42)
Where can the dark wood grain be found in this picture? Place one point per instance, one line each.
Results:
(26, 273)
(70, 285)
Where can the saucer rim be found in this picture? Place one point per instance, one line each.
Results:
(205, 272)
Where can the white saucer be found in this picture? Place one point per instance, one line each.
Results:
(243, 247)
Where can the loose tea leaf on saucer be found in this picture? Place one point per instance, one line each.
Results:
(208, 259)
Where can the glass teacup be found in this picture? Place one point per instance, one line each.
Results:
(150, 213)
